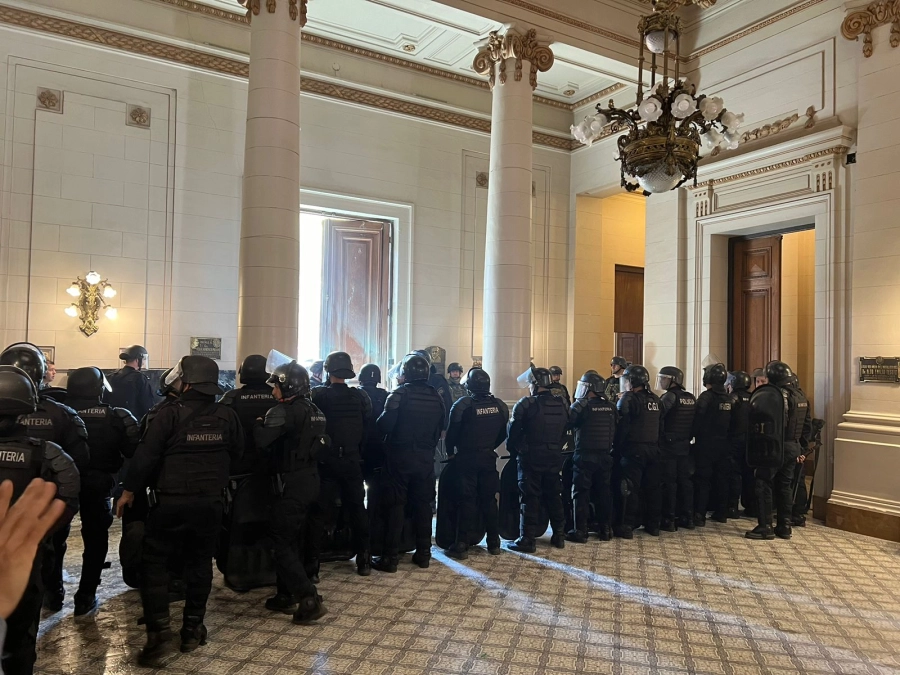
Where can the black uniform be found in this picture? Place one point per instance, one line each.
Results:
(348, 416)
(639, 474)
(413, 419)
(677, 408)
(740, 482)
(113, 435)
(477, 428)
(185, 456)
(292, 434)
(23, 458)
(535, 438)
(775, 484)
(251, 403)
(373, 454)
(130, 390)
(711, 425)
(594, 421)
(58, 424)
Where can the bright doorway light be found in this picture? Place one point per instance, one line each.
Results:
(311, 251)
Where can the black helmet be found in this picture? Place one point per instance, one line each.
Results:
(202, 373)
(28, 358)
(556, 370)
(18, 393)
(340, 365)
(738, 380)
(164, 389)
(87, 383)
(291, 378)
(316, 368)
(638, 376)
(541, 377)
(478, 381)
(370, 374)
(592, 381)
(778, 373)
(253, 370)
(676, 374)
(454, 366)
(715, 374)
(134, 353)
(793, 381)
(416, 368)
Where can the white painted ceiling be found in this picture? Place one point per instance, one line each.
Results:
(442, 37)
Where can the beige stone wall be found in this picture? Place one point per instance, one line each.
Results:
(798, 298)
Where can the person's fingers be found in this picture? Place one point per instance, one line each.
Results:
(6, 490)
(120, 508)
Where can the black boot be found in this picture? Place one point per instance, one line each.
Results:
(686, 523)
(733, 513)
(86, 607)
(159, 644)
(652, 530)
(193, 634)
(798, 521)
(668, 526)
(363, 564)
(458, 551)
(783, 530)
(576, 537)
(605, 533)
(281, 602)
(699, 520)
(422, 559)
(312, 570)
(720, 516)
(623, 532)
(523, 545)
(310, 610)
(760, 533)
(558, 540)
(384, 563)
(494, 546)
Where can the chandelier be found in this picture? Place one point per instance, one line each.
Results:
(91, 294)
(668, 126)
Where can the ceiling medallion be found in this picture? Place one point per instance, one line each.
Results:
(569, 92)
(409, 48)
(667, 127)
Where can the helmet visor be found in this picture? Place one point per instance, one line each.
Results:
(276, 359)
(581, 391)
(710, 360)
(527, 378)
(624, 384)
(663, 382)
(174, 375)
(105, 384)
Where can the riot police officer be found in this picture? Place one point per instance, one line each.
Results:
(594, 420)
(775, 483)
(373, 454)
(59, 424)
(348, 415)
(740, 484)
(677, 407)
(413, 420)
(612, 387)
(457, 388)
(315, 373)
(639, 474)
(293, 434)
(477, 428)
(23, 458)
(113, 435)
(711, 424)
(168, 391)
(185, 457)
(557, 388)
(130, 387)
(251, 402)
(535, 438)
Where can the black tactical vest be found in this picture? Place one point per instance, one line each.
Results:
(598, 426)
(678, 422)
(644, 411)
(343, 408)
(43, 423)
(419, 421)
(545, 428)
(740, 414)
(718, 415)
(298, 448)
(196, 461)
(798, 406)
(377, 397)
(105, 438)
(483, 425)
(21, 461)
(250, 402)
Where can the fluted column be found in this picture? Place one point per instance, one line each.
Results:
(512, 62)
(270, 250)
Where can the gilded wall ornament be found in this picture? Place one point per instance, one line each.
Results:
(138, 116)
(50, 99)
(512, 45)
(864, 21)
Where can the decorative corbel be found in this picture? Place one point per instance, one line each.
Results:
(864, 21)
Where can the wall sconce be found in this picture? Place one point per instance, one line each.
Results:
(91, 294)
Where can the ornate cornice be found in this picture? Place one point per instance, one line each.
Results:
(577, 23)
(836, 151)
(596, 97)
(513, 45)
(296, 8)
(864, 21)
(215, 12)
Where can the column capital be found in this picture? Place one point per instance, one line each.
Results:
(512, 45)
(863, 18)
(296, 8)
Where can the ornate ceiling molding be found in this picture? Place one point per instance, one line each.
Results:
(864, 21)
(577, 23)
(215, 12)
(219, 64)
(838, 150)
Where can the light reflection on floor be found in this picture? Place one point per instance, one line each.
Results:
(706, 601)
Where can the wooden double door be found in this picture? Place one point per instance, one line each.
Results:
(755, 321)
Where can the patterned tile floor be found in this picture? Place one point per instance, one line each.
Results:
(706, 601)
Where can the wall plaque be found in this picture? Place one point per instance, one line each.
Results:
(210, 347)
(879, 369)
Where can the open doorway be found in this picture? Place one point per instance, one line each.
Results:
(345, 288)
(629, 317)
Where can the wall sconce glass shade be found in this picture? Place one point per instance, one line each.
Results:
(90, 293)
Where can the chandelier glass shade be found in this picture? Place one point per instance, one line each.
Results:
(670, 123)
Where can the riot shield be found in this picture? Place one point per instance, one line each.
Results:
(448, 509)
(509, 504)
(244, 550)
(568, 504)
(765, 435)
(375, 510)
